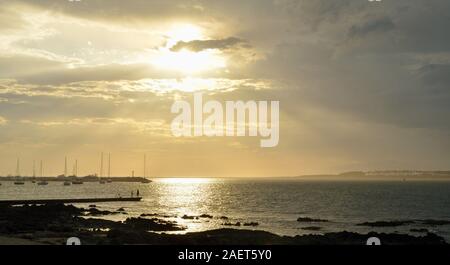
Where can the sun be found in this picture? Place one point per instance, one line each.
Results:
(186, 61)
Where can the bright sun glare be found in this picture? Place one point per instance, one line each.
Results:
(184, 60)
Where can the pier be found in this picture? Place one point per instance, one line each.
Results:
(56, 201)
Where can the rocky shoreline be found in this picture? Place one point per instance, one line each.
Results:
(54, 223)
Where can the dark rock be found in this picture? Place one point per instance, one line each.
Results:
(435, 222)
(92, 206)
(350, 238)
(148, 214)
(93, 223)
(310, 220)
(121, 210)
(153, 224)
(157, 215)
(96, 212)
(385, 223)
(188, 217)
(31, 218)
(249, 237)
(419, 230)
(251, 224)
(206, 216)
(312, 228)
(232, 224)
(223, 218)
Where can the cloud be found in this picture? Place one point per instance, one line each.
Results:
(200, 45)
(436, 74)
(315, 16)
(10, 20)
(3, 121)
(117, 11)
(16, 65)
(156, 127)
(377, 25)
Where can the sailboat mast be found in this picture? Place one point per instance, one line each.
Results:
(65, 166)
(18, 167)
(109, 165)
(145, 165)
(101, 165)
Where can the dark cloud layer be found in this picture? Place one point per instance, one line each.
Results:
(200, 45)
(380, 25)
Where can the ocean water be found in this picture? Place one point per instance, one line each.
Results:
(275, 204)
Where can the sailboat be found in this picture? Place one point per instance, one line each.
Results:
(109, 169)
(42, 183)
(145, 180)
(18, 182)
(74, 175)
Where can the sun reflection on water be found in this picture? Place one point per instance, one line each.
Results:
(188, 197)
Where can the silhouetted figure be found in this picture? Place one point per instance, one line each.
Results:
(137, 193)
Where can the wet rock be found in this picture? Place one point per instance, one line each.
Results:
(153, 224)
(157, 215)
(121, 210)
(189, 217)
(435, 222)
(254, 237)
(31, 218)
(206, 216)
(149, 214)
(310, 220)
(97, 212)
(251, 224)
(419, 230)
(312, 228)
(93, 223)
(385, 223)
(350, 238)
(92, 206)
(232, 224)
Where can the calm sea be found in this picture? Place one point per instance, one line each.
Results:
(274, 204)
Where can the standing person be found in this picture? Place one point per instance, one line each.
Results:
(131, 193)
(137, 193)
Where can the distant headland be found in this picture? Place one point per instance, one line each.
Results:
(385, 174)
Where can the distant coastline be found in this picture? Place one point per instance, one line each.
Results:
(383, 175)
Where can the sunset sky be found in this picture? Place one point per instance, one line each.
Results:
(362, 85)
